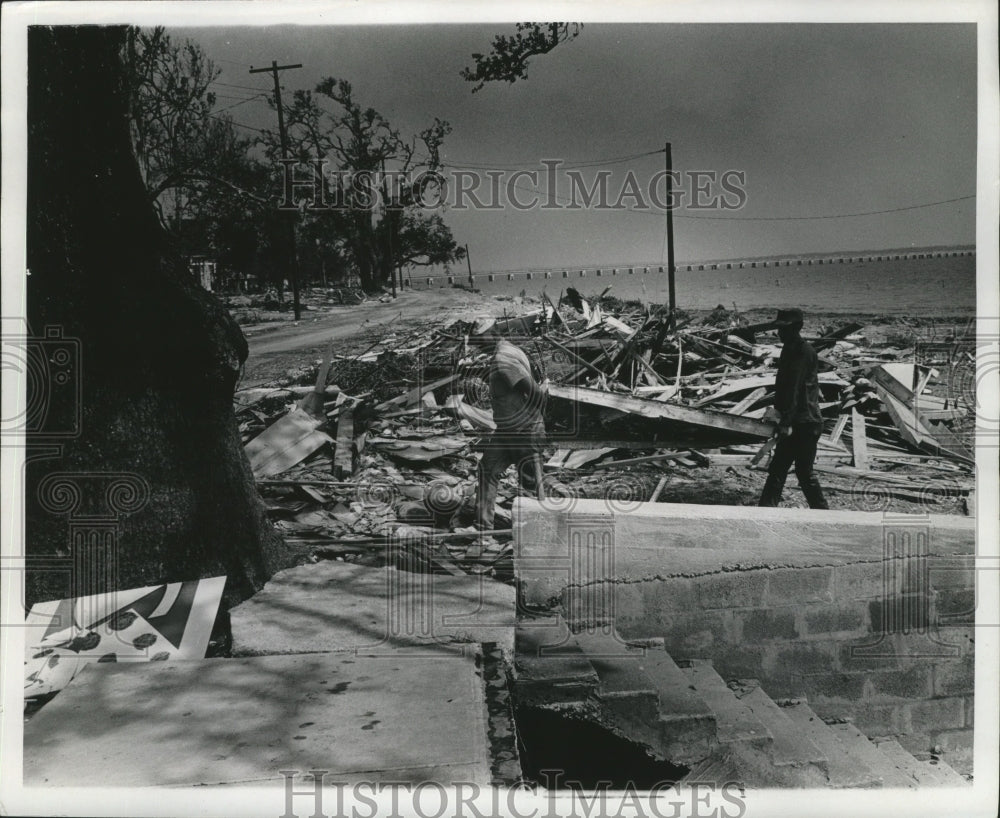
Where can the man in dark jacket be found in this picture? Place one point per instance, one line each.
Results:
(796, 399)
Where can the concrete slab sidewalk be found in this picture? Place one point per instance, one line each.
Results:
(395, 717)
(338, 605)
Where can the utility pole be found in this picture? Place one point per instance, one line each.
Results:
(392, 266)
(670, 233)
(468, 263)
(388, 210)
(293, 267)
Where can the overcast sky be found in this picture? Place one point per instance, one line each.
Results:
(822, 119)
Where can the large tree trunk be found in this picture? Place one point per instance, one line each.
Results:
(152, 484)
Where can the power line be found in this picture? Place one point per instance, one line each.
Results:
(829, 216)
(242, 102)
(238, 124)
(458, 165)
(659, 213)
(244, 98)
(231, 85)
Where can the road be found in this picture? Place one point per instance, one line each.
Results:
(275, 349)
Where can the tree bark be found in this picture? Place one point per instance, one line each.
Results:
(150, 469)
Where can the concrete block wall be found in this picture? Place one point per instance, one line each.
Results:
(825, 605)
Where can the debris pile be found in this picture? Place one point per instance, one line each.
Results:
(359, 456)
(261, 308)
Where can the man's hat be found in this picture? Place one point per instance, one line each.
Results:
(786, 318)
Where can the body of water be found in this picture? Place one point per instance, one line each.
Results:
(927, 286)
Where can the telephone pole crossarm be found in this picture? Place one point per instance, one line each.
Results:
(293, 267)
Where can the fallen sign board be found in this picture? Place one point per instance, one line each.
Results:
(663, 411)
(169, 621)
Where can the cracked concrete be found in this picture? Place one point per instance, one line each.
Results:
(589, 543)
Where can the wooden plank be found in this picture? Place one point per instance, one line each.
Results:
(343, 458)
(748, 401)
(659, 487)
(742, 384)
(312, 402)
(573, 355)
(917, 434)
(902, 417)
(762, 452)
(899, 480)
(890, 377)
(574, 444)
(838, 429)
(949, 442)
(632, 461)
(652, 376)
(662, 411)
(859, 440)
(415, 394)
(744, 459)
(580, 457)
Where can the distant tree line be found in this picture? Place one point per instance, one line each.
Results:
(217, 191)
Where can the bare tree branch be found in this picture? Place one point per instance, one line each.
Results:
(508, 60)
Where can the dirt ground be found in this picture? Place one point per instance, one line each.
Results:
(282, 344)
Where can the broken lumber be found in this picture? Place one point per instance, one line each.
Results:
(343, 458)
(312, 402)
(859, 440)
(632, 461)
(284, 443)
(914, 432)
(763, 451)
(574, 459)
(573, 355)
(747, 402)
(738, 385)
(252, 395)
(662, 411)
(838, 429)
(659, 487)
(415, 394)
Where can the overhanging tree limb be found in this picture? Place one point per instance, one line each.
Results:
(179, 179)
(508, 60)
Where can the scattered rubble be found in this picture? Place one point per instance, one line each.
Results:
(359, 456)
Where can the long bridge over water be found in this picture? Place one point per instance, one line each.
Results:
(656, 268)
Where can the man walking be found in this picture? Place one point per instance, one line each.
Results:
(796, 399)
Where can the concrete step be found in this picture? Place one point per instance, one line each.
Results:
(844, 770)
(868, 755)
(650, 696)
(790, 748)
(688, 725)
(549, 665)
(949, 775)
(735, 722)
(925, 773)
